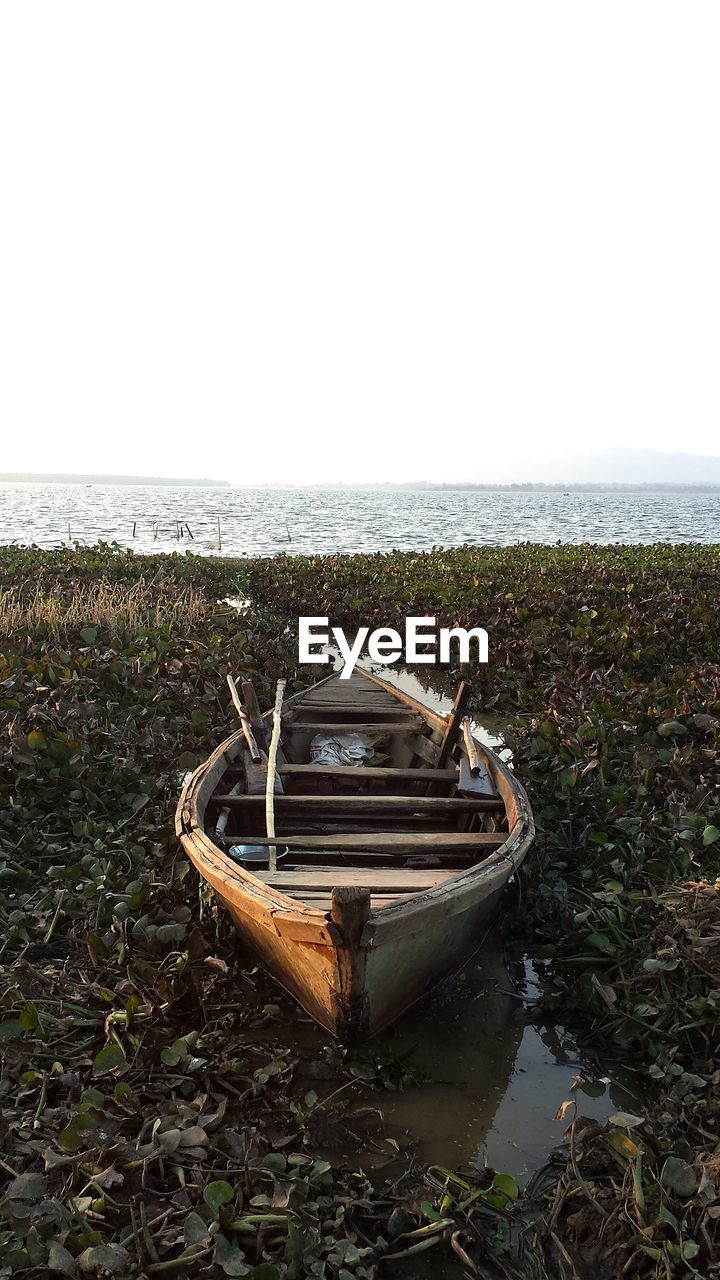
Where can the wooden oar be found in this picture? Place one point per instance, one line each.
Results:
(254, 713)
(473, 758)
(271, 768)
(454, 722)
(244, 721)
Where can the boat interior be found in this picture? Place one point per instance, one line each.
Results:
(423, 809)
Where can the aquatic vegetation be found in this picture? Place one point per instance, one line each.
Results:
(116, 607)
(153, 1120)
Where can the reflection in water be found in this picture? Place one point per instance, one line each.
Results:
(496, 1080)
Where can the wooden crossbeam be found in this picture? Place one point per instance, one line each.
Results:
(368, 773)
(411, 725)
(372, 805)
(376, 879)
(397, 842)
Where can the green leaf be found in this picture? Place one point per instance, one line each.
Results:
(265, 1271)
(363, 1070)
(195, 1228)
(60, 1259)
(429, 1212)
(601, 941)
(88, 635)
(37, 740)
(74, 1136)
(28, 1186)
(623, 1145)
(710, 835)
(678, 1176)
(506, 1185)
(625, 1119)
(274, 1161)
(109, 1059)
(216, 1194)
(29, 1017)
(173, 1054)
(105, 1257)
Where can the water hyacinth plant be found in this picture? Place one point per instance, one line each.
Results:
(155, 1121)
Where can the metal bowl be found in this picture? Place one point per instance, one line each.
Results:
(256, 857)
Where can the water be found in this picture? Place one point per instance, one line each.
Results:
(496, 1079)
(310, 521)
(487, 1077)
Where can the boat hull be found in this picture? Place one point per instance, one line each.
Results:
(355, 974)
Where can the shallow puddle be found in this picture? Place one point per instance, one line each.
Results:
(495, 1080)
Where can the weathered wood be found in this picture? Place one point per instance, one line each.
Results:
(454, 722)
(475, 784)
(349, 910)
(255, 775)
(428, 751)
(471, 751)
(355, 857)
(348, 710)
(369, 773)
(254, 713)
(271, 767)
(376, 879)
(327, 726)
(372, 805)
(401, 842)
(244, 721)
(430, 717)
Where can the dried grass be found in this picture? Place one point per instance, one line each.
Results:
(115, 608)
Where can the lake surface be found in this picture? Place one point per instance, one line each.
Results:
(313, 521)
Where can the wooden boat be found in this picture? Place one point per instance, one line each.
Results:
(385, 873)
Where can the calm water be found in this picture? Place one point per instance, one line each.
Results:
(265, 522)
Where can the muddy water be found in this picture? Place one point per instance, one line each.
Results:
(495, 1078)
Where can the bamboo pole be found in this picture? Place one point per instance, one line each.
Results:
(246, 726)
(271, 769)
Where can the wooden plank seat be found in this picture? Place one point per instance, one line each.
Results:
(413, 724)
(395, 842)
(376, 879)
(368, 773)
(371, 805)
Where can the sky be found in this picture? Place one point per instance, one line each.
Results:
(291, 242)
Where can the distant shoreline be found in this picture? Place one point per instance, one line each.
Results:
(410, 486)
(29, 477)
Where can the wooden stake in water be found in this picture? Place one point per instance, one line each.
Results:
(271, 769)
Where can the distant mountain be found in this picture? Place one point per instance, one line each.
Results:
(617, 466)
(35, 477)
